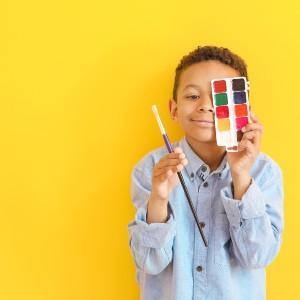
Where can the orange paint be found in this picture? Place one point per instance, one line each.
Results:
(241, 110)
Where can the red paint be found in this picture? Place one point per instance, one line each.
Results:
(220, 86)
(241, 110)
(222, 112)
(241, 122)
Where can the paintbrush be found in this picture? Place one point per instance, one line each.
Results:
(170, 149)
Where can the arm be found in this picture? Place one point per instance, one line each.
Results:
(151, 238)
(150, 244)
(256, 221)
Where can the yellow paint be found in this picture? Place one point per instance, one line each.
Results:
(223, 124)
(77, 81)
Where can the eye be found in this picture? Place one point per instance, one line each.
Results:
(193, 97)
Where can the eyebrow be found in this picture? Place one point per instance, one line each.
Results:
(192, 85)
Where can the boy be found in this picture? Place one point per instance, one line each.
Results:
(238, 198)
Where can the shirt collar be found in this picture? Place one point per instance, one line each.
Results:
(196, 166)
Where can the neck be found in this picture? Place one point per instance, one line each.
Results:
(211, 154)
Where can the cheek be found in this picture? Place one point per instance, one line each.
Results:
(185, 112)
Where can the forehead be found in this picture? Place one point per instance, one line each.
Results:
(202, 73)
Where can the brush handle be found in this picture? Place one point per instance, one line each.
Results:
(192, 208)
(187, 194)
(167, 142)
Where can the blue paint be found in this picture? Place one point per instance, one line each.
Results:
(239, 97)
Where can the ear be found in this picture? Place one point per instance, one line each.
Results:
(173, 109)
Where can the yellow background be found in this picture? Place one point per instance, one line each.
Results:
(77, 81)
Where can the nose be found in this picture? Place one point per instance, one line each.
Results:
(205, 104)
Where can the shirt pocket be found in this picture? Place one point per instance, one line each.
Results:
(221, 240)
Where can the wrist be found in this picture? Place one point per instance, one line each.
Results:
(240, 185)
(157, 210)
(154, 197)
(238, 175)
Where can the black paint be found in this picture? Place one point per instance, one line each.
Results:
(238, 84)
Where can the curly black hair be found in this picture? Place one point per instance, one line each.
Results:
(203, 53)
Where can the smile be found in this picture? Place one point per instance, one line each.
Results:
(203, 123)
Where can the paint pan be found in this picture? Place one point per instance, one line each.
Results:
(231, 109)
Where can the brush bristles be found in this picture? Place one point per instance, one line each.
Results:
(161, 127)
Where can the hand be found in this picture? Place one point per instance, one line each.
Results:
(164, 176)
(248, 148)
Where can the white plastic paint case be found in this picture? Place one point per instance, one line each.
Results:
(228, 121)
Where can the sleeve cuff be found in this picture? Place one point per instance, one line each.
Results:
(154, 235)
(252, 204)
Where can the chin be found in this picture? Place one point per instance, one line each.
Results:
(206, 139)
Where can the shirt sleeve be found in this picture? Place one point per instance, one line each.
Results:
(256, 221)
(151, 244)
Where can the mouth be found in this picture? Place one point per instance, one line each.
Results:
(203, 123)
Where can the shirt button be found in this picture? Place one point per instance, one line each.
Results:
(202, 224)
(199, 268)
(205, 184)
(203, 168)
(192, 175)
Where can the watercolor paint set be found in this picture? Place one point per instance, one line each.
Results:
(231, 109)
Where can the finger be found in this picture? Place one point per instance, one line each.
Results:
(253, 136)
(253, 117)
(252, 126)
(250, 135)
(247, 146)
(159, 171)
(178, 150)
(167, 171)
(163, 176)
(173, 155)
(171, 162)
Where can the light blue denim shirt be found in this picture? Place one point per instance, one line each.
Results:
(243, 236)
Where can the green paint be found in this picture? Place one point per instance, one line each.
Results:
(221, 99)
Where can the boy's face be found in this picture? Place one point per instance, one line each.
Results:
(194, 108)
